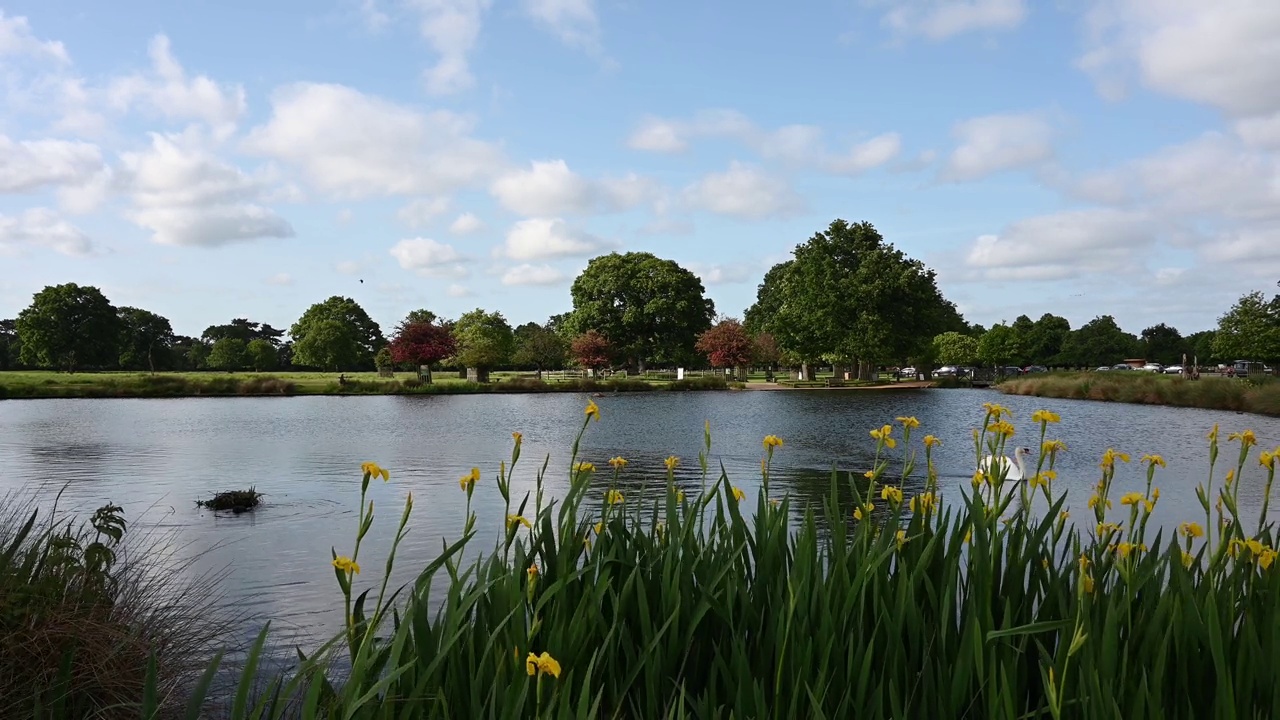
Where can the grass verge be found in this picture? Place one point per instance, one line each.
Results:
(123, 385)
(1255, 395)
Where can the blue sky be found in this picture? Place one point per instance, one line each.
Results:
(215, 160)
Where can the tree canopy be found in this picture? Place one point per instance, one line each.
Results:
(1099, 342)
(848, 294)
(955, 348)
(144, 336)
(590, 350)
(1001, 345)
(539, 347)
(484, 339)
(1163, 344)
(357, 329)
(261, 355)
(727, 345)
(649, 309)
(1250, 330)
(69, 326)
(243, 329)
(421, 342)
(229, 353)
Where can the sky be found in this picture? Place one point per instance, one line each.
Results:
(210, 160)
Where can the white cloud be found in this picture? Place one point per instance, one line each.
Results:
(532, 275)
(994, 143)
(941, 19)
(574, 22)
(428, 257)
(353, 145)
(344, 216)
(1262, 131)
(551, 188)
(796, 145)
(29, 165)
(451, 28)
(743, 191)
(280, 279)
(1212, 176)
(458, 291)
(349, 267)
(1222, 54)
(547, 238)
(423, 210)
(867, 155)
(657, 135)
(168, 92)
(188, 197)
(724, 274)
(43, 228)
(466, 224)
(17, 40)
(1063, 245)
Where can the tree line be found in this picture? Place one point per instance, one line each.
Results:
(845, 298)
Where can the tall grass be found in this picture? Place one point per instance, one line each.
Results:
(715, 605)
(83, 614)
(1257, 395)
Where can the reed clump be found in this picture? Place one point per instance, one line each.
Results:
(710, 603)
(92, 625)
(1256, 395)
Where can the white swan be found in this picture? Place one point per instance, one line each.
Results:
(1015, 471)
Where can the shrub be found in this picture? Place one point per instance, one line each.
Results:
(1260, 396)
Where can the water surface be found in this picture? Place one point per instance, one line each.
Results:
(157, 457)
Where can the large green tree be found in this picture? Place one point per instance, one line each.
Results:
(539, 348)
(484, 340)
(1000, 345)
(650, 309)
(1200, 345)
(955, 348)
(848, 294)
(261, 355)
(358, 329)
(228, 354)
(1043, 343)
(1099, 342)
(68, 327)
(1250, 330)
(1163, 344)
(144, 338)
(329, 345)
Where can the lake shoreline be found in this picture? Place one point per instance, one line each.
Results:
(107, 385)
(1260, 397)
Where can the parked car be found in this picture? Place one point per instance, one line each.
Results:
(1121, 366)
(1010, 370)
(1173, 370)
(909, 373)
(1035, 369)
(1103, 368)
(947, 371)
(1153, 367)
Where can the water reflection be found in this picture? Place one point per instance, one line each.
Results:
(156, 457)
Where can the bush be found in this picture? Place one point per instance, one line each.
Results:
(1261, 395)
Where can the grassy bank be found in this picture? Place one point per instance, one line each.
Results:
(1256, 395)
(38, 384)
(713, 604)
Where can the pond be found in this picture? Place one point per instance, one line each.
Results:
(157, 457)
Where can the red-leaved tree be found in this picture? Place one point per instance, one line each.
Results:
(421, 343)
(590, 350)
(726, 345)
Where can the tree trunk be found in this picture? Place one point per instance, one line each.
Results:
(151, 361)
(640, 365)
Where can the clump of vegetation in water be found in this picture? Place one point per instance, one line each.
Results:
(594, 605)
(236, 501)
